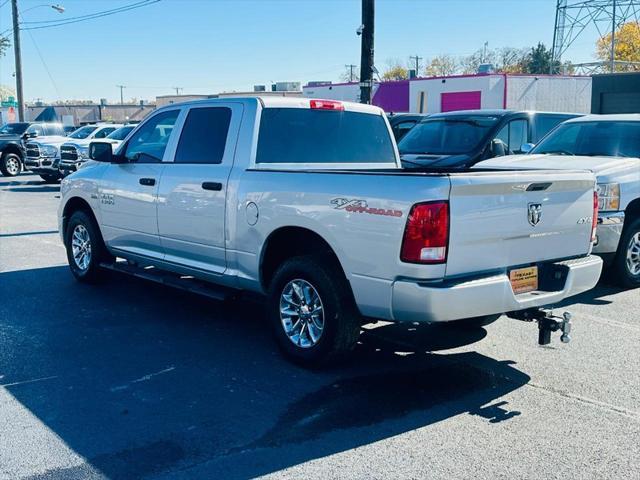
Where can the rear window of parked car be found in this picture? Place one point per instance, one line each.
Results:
(299, 135)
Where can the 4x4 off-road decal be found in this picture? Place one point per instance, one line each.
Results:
(361, 206)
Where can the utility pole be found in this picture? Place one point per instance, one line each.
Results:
(484, 52)
(177, 89)
(366, 50)
(18, 58)
(121, 87)
(350, 67)
(417, 59)
(613, 38)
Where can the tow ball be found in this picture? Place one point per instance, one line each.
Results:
(547, 323)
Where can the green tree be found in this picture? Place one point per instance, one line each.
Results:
(538, 60)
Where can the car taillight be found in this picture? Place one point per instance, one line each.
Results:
(594, 220)
(327, 105)
(426, 234)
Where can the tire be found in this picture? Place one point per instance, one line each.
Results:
(335, 326)
(86, 268)
(50, 178)
(475, 322)
(10, 165)
(626, 265)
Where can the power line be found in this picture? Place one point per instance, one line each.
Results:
(93, 16)
(139, 3)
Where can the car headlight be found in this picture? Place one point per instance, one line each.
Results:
(608, 197)
(48, 150)
(83, 153)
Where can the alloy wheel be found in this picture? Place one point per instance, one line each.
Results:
(81, 247)
(301, 313)
(633, 255)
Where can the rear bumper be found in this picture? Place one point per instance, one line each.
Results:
(414, 302)
(608, 232)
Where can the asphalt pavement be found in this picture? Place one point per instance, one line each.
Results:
(131, 379)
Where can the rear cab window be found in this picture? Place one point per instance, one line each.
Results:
(312, 137)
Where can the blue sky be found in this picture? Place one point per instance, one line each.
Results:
(206, 46)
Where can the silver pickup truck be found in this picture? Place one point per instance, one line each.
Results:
(306, 201)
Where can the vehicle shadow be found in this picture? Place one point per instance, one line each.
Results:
(595, 296)
(41, 188)
(141, 380)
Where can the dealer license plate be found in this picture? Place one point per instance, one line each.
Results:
(524, 280)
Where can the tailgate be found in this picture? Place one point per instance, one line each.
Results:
(504, 219)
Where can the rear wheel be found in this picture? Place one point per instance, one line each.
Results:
(312, 312)
(10, 165)
(85, 247)
(626, 265)
(50, 178)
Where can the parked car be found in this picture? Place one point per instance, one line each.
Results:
(69, 129)
(608, 145)
(282, 196)
(76, 146)
(458, 140)
(68, 165)
(401, 123)
(12, 143)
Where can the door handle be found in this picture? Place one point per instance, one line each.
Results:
(215, 186)
(149, 182)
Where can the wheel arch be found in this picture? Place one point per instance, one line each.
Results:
(632, 212)
(73, 205)
(13, 148)
(291, 241)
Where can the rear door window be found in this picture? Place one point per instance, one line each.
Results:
(204, 135)
(514, 135)
(301, 135)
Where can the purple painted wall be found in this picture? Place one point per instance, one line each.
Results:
(392, 96)
(452, 101)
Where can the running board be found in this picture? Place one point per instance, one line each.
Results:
(175, 280)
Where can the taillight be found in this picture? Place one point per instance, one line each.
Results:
(426, 234)
(594, 220)
(327, 105)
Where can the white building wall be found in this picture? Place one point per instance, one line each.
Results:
(347, 92)
(551, 94)
(490, 86)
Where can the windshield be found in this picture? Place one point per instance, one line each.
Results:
(120, 133)
(14, 129)
(82, 132)
(605, 138)
(447, 136)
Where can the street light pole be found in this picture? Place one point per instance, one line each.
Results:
(18, 59)
(17, 51)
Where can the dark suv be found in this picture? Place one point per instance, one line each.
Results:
(12, 139)
(458, 140)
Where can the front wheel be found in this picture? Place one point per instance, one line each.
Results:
(626, 266)
(85, 248)
(10, 165)
(312, 311)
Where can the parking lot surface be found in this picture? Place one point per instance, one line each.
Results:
(131, 379)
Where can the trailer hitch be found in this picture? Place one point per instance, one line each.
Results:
(547, 323)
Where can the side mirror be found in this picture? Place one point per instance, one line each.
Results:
(101, 152)
(497, 148)
(527, 147)
(30, 135)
